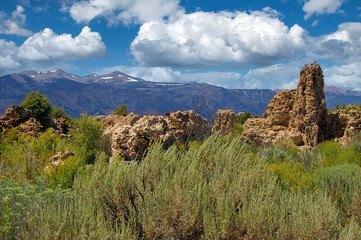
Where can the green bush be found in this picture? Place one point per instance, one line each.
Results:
(292, 176)
(331, 154)
(341, 183)
(39, 105)
(87, 138)
(24, 158)
(122, 110)
(59, 112)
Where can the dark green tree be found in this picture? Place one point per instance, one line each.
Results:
(122, 110)
(39, 105)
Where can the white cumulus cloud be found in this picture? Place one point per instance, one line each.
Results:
(47, 49)
(346, 76)
(344, 45)
(14, 25)
(47, 45)
(125, 11)
(8, 53)
(204, 39)
(321, 7)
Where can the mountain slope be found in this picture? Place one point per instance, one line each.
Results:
(102, 94)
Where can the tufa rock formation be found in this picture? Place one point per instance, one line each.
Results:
(131, 135)
(344, 123)
(224, 122)
(22, 119)
(301, 115)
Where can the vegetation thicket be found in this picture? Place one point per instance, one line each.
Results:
(221, 188)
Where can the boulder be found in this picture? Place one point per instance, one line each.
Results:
(224, 122)
(187, 126)
(57, 159)
(22, 119)
(132, 135)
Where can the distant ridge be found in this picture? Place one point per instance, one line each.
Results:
(101, 94)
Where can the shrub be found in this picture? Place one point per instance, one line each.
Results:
(341, 183)
(87, 138)
(242, 117)
(292, 176)
(331, 154)
(39, 105)
(24, 158)
(59, 112)
(122, 110)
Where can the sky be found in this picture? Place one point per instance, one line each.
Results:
(228, 43)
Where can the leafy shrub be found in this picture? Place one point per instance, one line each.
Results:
(24, 159)
(59, 112)
(292, 176)
(242, 117)
(122, 110)
(237, 129)
(332, 154)
(39, 105)
(87, 138)
(340, 183)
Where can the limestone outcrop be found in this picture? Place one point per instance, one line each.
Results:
(22, 119)
(224, 122)
(131, 135)
(344, 123)
(300, 115)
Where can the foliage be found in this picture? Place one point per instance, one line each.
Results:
(220, 188)
(242, 117)
(24, 158)
(39, 105)
(343, 107)
(330, 154)
(59, 112)
(121, 111)
(87, 138)
(237, 128)
(293, 176)
(341, 183)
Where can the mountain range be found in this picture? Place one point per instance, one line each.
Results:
(101, 94)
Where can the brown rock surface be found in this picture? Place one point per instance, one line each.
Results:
(22, 119)
(299, 115)
(309, 112)
(57, 160)
(30, 127)
(131, 135)
(187, 126)
(343, 124)
(224, 122)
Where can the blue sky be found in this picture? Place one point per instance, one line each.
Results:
(229, 43)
